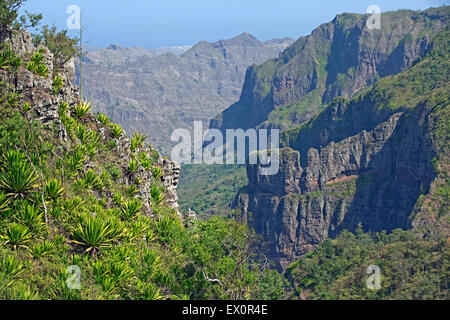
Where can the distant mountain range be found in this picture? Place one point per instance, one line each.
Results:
(156, 91)
(117, 55)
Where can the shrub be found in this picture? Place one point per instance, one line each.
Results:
(17, 235)
(60, 44)
(17, 178)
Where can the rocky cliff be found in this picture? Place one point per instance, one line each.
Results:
(337, 59)
(379, 159)
(45, 104)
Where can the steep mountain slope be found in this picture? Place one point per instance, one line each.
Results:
(88, 213)
(159, 94)
(380, 159)
(337, 59)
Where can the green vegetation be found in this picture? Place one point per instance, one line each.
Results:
(208, 189)
(410, 268)
(79, 200)
(59, 43)
(8, 59)
(64, 202)
(10, 19)
(36, 64)
(82, 109)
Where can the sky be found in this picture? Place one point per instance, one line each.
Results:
(159, 23)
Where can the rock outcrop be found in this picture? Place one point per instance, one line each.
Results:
(37, 90)
(379, 160)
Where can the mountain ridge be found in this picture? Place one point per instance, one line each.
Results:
(156, 94)
(337, 59)
(378, 158)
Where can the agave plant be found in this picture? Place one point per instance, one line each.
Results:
(118, 199)
(92, 179)
(18, 179)
(157, 172)
(116, 130)
(72, 204)
(120, 271)
(54, 189)
(75, 162)
(42, 249)
(17, 235)
(4, 201)
(31, 216)
(82, 133)
(133, 166)
(150, 292)
(131, 208)
(108, 285)
(103, 118)
(82, 109)
(11, 267)
(147, 163)
(95, 234)
(37, 66)
(157, 195)
(8, 59)
(131, 190)
(164, 226)
(58, 84)
(137, 141)
(37, 57)
(25, 293)
(105, 178)
(26, 107)
(63, 109)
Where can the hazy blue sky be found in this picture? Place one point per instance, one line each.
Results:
(156, 23)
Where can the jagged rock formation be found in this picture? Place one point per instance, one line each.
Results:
(337, 59)
(37, 90)
(158, 94)
(380, 159)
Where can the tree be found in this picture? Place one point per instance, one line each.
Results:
(10, 20)
(59, 43)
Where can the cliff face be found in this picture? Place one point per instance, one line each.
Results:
(379, 159)
(37, 90)
(337, 59)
